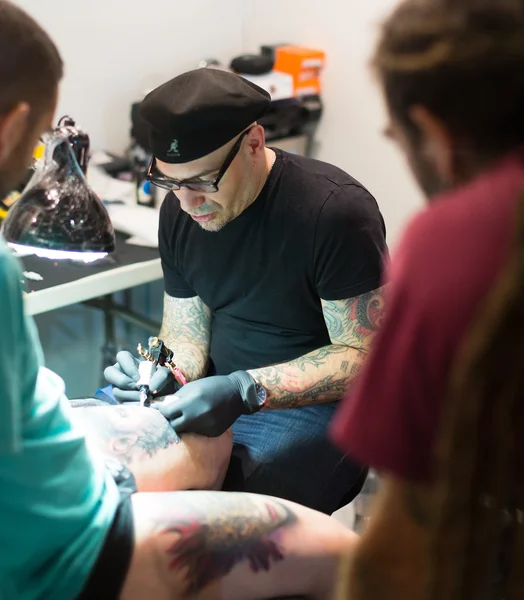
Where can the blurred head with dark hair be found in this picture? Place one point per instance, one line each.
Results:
(30, 71)
(452, 77)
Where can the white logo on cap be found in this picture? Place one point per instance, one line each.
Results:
(173, 151)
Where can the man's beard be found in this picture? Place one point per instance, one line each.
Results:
(214, 226)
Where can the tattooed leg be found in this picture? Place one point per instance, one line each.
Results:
(143, 440)
(205, 545)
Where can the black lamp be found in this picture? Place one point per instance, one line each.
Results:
(58, 215)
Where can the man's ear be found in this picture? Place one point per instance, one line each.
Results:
(13, 127)
(437, 143)
(257, 139)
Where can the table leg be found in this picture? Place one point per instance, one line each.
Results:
(108, 349)
(111, 310)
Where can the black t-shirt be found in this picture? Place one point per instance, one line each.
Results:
(313, 232)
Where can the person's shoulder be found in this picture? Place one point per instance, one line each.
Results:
(427, 241)
(11, 298)
(469, 220)
(449, 222)
(329, 189)
(314, 171)
(454, 247)
(351, 202)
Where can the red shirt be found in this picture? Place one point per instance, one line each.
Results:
(445, 265)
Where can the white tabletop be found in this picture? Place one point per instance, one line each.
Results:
(107, 282)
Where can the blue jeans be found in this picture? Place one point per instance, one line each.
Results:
(286, 453)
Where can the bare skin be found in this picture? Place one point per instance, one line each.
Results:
(143, 440)
(208, 545)
(216, 545)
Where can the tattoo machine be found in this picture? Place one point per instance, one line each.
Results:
(145, 370)
(159, 354)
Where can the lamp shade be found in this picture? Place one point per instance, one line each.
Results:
(58, 211)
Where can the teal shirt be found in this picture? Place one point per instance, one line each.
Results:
(57, 501)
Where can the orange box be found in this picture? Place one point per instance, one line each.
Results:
(308, 88)
(303, 64)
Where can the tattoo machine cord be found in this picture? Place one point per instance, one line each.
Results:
(160, 354)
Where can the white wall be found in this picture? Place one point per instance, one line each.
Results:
(115, 49)
(350, 131)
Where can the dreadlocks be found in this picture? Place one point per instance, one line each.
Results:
(481, 485)
(463, 60)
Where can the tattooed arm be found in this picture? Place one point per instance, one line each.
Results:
(186, 329)
(324, 374)
(230, 546)
(142, 439)
(391, 560)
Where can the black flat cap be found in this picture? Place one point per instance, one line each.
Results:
(198, 112)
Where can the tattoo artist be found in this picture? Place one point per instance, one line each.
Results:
(269, 259)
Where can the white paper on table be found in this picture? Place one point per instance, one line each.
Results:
(109, 188)
(138, 221)
(99, 157)
(140, 241)
(32, 276)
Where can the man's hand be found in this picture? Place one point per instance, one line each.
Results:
(124, 376)
(211, 405)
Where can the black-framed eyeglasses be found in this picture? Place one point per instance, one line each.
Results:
(167, 183)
